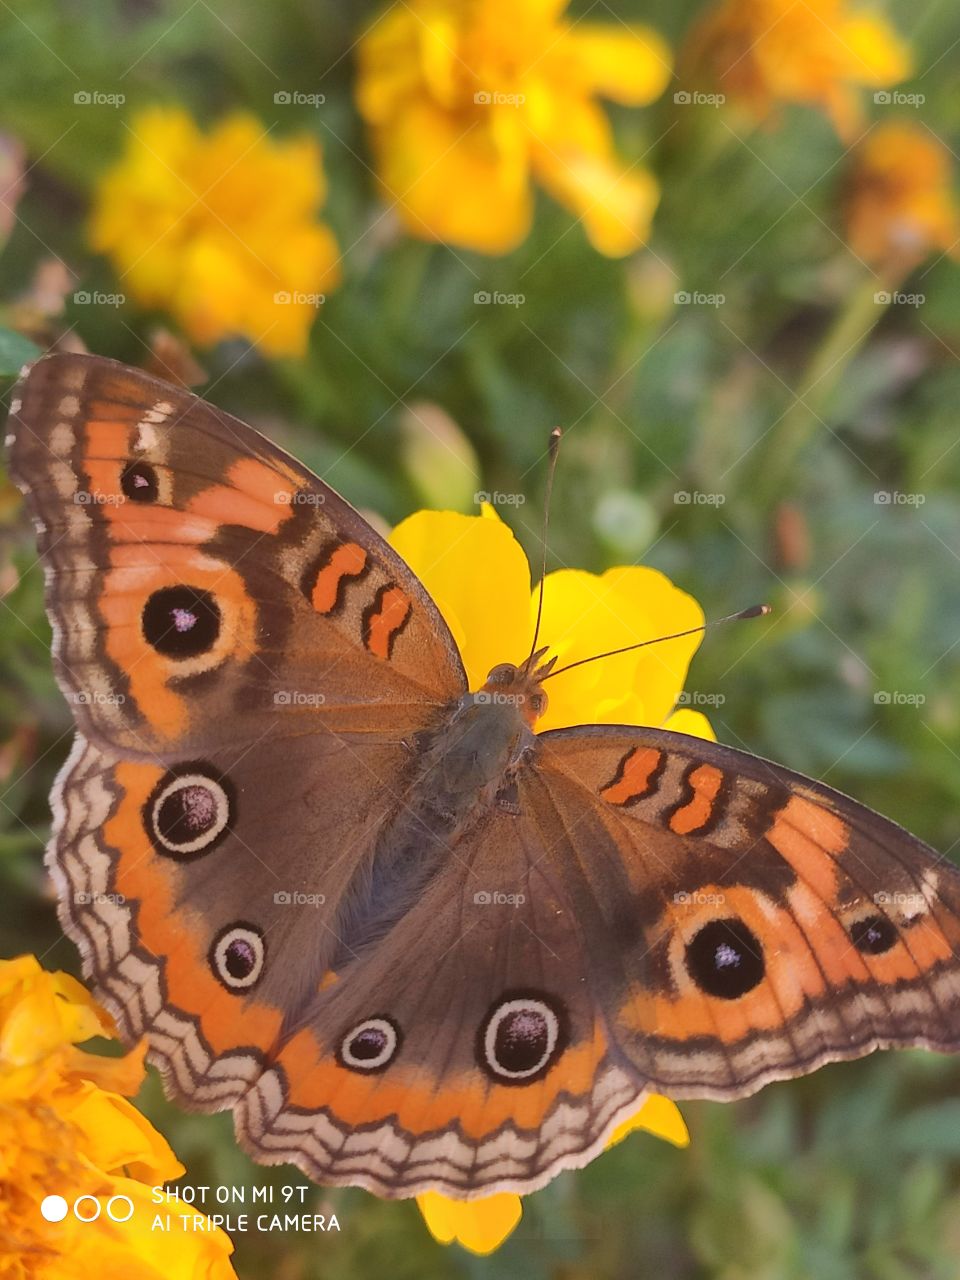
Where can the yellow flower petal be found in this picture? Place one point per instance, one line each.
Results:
(462, 181)
(478, 575)
(123, 1139)
(586, 614)
(631, 65)
(877, 55)
(658, 1116)
(695, 723)
(575, 161)
(122, 1075)
(479, 1225)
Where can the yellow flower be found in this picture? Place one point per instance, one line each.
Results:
(479, 577)
(815, 52)
(900, 205)
(219, 229)
(469, 102)
(66, 1131)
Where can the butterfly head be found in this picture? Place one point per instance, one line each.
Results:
(519, 686)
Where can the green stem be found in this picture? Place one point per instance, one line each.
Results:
(842, 342)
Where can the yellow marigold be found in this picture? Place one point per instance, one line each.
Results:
(814, 52)
(899, 201)
(219, 229)
(77, 1161)
(468, 102)
(466, 562)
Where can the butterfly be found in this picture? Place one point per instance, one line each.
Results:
(286, 894)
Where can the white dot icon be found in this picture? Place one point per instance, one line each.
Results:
(54, 1208)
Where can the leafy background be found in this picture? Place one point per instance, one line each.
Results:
(856, 1171)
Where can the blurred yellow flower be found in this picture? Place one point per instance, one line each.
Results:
(899, 203)
(469, 102)
(66, 1131)
(219, 229)
(468, 562)
(815, 52)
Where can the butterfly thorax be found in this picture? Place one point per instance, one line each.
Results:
(471, 759)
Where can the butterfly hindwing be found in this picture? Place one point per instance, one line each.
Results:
(757, 924)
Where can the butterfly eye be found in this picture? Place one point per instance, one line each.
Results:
(237, 956)
(505, 673)
(538, 703)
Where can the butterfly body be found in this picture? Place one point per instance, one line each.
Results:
(410, 940)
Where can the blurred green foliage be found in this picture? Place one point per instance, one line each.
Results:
(856, 1171)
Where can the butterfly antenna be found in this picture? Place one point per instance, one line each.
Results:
(554, 448)
(755, 611)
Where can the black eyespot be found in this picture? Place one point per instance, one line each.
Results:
(725, 959)
(139, 482)
(237, 956)
(371, 1046)
(189, 811)
(181, 622)
(521, 1038)
(874, 935)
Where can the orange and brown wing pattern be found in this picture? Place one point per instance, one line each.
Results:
(463, 1052)
(195, 570)
(756, 924)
